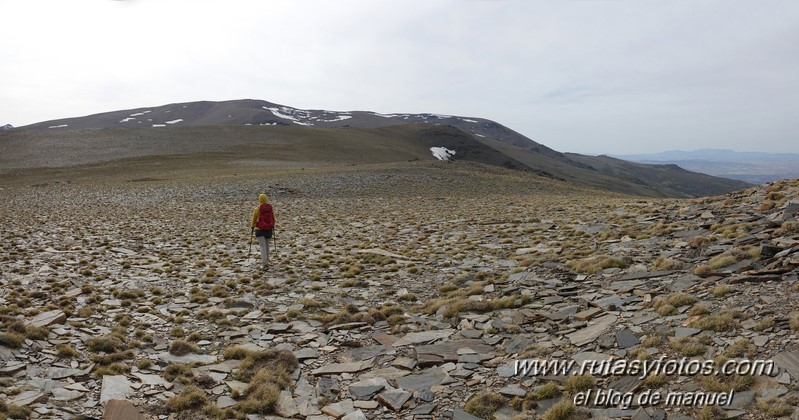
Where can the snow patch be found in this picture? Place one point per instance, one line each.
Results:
(139, 114)
(390, 115)
(478, 135)
(175, 121)
(124, 120)
(468, 120)
(159, 125)
(285, 113)
(338, 118)
(58, 126)
(442, 153)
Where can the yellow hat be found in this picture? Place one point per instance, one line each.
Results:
(262, 198)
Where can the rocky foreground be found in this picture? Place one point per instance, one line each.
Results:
(407, 291)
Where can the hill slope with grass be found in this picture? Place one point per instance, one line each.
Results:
(248, 130)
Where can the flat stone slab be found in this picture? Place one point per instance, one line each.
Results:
(591, 332)
(286, 407)
(63, 394)
(587, 314)
(448, 350)
(12, 367)
(147, 379)
(394, 399)
(462, 415)
(115, 387)
(626, 285)
(122, 410)
(204, 359)
(425, 379)
(788, 360)
(626, 339)
(306, 353)
(363, 353)
(28, 398)
(338, 368)
(224, 402)
(680, 332)
(612, 302)
(423, 337)
(48, 318)
(644, 275)
(355, 415)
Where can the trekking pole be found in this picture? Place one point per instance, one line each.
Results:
(274, 239)
(252, 233)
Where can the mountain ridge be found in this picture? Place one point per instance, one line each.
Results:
(482, 140)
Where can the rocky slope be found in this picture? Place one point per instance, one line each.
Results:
(405, 290)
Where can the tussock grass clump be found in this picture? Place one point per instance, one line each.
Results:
(688, 346)
(775, 407)
(267, 372)
(679, 299)
(111, 358)
(639, 354)
(548, 390)
(787, 228)
(655, 381)
(666, 264)
(485, 404)
(652, 341)
(31, 332)
(175, 370)
(192, 398)
(597, 263)
(236, 353)
(351, 313)
(710, 412)
(668, 305)
(698, 309)
(65, 351)
(455, 306)
(721, 383)
(11, 340)
(727, 258)
(563, 410)
(578, 383)
(721, 321)
(182, 348)
(110, 369)
(741, 348)
(106, 343)
(698, 242)
(409, 297)
(764, 323)
(720, 290)
(794, 322)
(13, 411)
(270, 359)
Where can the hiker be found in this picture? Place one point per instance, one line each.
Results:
(263, 221)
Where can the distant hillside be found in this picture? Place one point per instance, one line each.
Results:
(6, 127)
(244, 126)
(752, 167)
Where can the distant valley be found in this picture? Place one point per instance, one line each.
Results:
(751, 167)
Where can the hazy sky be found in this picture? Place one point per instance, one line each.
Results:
(587, 76)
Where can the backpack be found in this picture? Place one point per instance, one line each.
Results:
(266, 219)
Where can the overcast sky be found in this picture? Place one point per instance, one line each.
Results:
(586, 76)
